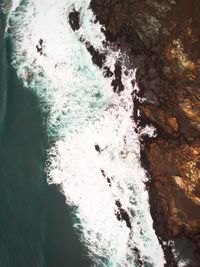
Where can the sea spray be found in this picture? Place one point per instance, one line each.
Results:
(95, 155)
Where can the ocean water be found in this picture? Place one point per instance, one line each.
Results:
(35, 223)
(64, 124)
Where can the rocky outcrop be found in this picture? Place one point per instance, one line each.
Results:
(162, 39)
(74, 19)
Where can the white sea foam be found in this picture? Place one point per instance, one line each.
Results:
(84, 112)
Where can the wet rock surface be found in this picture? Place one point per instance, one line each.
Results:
(122, 214)
(74, 19)
(162, 39)
(98, 58)
(40, 47)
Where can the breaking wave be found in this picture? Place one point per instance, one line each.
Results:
(95, 151)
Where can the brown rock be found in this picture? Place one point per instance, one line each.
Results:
(176, 231)
(152, 73)
(191, 66)
(158, 185)
(172, 157)
(173, 123)
(167, 72)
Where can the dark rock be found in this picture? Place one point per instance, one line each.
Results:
(107, 72)
(97, 148)
(74, 19)
(117, 82)
(97, 57)
(39, 46)
(122, 214)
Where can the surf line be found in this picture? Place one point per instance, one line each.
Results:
(95, 156)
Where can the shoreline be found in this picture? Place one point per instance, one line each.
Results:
(165, 87)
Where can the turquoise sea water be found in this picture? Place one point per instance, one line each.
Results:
(35, 224)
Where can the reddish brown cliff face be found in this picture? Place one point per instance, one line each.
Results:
(163, 41)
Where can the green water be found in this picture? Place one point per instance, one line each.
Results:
(35, 223)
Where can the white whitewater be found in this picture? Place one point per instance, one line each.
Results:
(84, 112)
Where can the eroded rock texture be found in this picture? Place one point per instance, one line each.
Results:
(162, 39)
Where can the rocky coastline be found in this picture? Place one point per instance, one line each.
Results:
(162, 39)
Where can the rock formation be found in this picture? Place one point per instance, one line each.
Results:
(162, 39)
